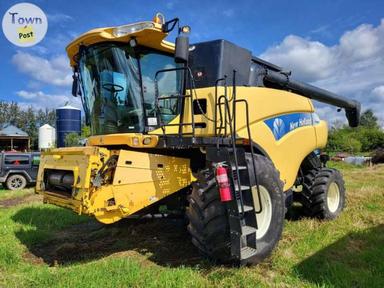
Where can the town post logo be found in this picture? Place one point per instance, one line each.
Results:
(25, 24)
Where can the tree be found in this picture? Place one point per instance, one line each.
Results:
(72, 139)
(85, 131)
(27, 119)
(368, 137)
(343, 139)
(368, 119)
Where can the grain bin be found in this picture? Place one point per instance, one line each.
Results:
(68, 120)
(47, 137)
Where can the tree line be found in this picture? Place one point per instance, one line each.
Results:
(27, 119)
(369, 136)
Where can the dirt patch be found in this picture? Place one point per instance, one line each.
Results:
(31, 258)
(20, 200)
(161, 241)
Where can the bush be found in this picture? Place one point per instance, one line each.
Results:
(367, 137)
(343, 140)
(371, 139)
(72, 139)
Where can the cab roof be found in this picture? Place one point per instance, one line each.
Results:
(152, 36)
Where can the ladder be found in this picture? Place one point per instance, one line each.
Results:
(241, 211)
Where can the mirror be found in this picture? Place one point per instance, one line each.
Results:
(75, 85)
(182, 49)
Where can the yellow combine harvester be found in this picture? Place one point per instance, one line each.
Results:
(206, 130)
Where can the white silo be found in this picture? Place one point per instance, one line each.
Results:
(47, 137)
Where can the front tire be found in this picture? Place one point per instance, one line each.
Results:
(16, 182)
(323, 194)
(208, 219)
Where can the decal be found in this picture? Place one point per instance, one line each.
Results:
(283, 124)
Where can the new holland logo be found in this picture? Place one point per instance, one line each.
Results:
(278, 128)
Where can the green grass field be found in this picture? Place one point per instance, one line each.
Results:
(42, 245)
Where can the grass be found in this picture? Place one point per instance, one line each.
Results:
(9, 194)
(43, 245)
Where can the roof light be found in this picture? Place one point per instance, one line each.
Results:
(159, 18)
(147, 140)
(185, 29)
(135, 141)
(133, 42)
(132, 28)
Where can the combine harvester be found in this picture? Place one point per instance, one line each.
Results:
(206, 130)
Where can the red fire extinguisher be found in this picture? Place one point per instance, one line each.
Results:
(222, 180)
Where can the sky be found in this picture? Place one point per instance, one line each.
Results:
(336, 45)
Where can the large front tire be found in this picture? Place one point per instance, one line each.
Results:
(208, 220)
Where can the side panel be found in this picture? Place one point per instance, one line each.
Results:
(286, 146)
(140, 180)
(287, 152)
(82, 161)
(109, 184)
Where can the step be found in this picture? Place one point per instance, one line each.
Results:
(247, 208)
(243, 187)
(247, 252)
(246, 230)
(240, 168)
(170, 97)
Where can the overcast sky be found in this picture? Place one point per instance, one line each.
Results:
(337, 45)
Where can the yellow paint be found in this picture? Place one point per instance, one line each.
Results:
(149, 37)
(288, 153)
(134, 140)
(140, 179)
(80, 160)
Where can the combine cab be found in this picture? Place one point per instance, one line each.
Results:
(206, 130)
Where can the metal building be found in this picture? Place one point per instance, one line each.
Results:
(13, 138)
(47, 137)
(68, 120)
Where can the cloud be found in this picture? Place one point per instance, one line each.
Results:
(312, 60)
(379, 92)
(59, 18)
(170, 5)
(39, 99)
(228, 12)
(353, 67)
(55, 71)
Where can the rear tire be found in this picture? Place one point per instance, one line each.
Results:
(208, 220)
(16, 182)
(323, 194)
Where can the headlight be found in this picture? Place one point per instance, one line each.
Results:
(132, 28)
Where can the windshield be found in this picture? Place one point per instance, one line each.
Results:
(117, 98)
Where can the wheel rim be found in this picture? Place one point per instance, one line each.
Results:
(333, 197)
(263, 218)
(16, 183)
